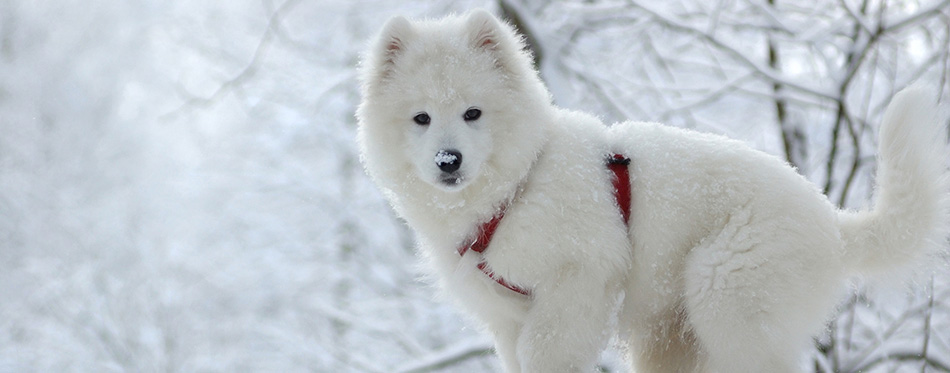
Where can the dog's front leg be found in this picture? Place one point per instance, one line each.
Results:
(566, 328)
(506, 338)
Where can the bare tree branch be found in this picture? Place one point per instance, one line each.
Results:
(712, 96)
(448, 356)
(781, 106)
(853, 59)
(739, 56)
(910, 356)
(247, 72)
(513, 14)
(935, 9)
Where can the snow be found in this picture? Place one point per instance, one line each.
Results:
(445, 158)
(180, 188)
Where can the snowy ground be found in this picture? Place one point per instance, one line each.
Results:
(180, 189)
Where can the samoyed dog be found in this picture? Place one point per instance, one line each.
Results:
(729, 261)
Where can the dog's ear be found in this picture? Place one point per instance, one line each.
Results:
(484, 30)
(390, 44)
(488, 34)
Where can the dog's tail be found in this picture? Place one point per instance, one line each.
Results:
(910, 219)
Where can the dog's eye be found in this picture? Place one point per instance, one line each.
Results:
(471, 114)
(421, 119)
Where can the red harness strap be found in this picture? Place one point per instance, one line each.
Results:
(617, 164)
(480, 242)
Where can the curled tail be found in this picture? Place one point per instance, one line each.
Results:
(911, 214)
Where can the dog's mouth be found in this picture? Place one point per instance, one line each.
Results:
(451, 180)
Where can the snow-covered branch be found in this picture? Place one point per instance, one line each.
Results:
(740, 56)
(448, 356)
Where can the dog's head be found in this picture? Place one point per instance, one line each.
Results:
(438, 97)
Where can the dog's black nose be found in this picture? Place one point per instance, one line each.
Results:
(448, 160)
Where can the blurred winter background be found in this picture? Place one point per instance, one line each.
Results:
(180, 188)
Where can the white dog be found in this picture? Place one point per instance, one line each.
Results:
(730, 263)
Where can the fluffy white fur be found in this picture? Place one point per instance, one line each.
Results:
(731, 263)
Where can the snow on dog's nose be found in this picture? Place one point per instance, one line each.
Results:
(448, 161)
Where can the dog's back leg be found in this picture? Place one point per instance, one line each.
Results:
(757, 290)
(664, 343)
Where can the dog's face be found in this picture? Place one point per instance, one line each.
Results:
(448, 131)
(437, 95)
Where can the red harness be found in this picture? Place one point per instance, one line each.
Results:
(616, 163)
